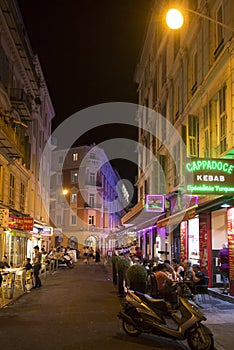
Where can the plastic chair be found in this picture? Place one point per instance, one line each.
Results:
(20, 280)
(2, 296)
(29, 280)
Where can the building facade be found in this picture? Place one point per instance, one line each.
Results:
(26, 113)
(185, 83)
(88, 198)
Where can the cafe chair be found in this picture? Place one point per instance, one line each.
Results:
(2, 296)
(202, 291)
(43, 271)
(20, 280)
(29, 280)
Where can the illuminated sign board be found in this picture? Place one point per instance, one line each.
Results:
(212, 175)
(154, 203)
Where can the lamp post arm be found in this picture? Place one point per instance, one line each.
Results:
(210, 19)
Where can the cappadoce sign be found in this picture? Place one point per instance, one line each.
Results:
(212, 175)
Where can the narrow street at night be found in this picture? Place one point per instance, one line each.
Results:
(77, 308)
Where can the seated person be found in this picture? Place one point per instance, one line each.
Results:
(170, 270)
(5, 262)
(198, 278)
(178, 268)
(188, 271)
(164, 284)
(27, 264)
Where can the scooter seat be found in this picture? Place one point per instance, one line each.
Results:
(158, 304)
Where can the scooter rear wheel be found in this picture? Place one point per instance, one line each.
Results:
(200, 339)
(130, 329)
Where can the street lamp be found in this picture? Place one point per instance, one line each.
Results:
(175, 18)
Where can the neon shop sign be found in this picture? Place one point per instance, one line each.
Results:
(210, 175)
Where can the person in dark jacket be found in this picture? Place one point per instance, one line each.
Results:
(223, 264)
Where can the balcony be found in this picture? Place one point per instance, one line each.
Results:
(22, 103)
(12, 142)
(96, 184)
(94, 206)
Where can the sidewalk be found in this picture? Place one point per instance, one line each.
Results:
(219, 311)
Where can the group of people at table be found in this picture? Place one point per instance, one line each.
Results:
(167, 273)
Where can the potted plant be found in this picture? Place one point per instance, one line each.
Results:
(137, 278)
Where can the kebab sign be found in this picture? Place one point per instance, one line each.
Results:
(213, 175)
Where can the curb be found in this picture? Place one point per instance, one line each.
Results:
(221, 296)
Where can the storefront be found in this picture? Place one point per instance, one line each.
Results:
(16, 246)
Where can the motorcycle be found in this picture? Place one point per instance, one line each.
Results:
(144, 314)
(66, 261)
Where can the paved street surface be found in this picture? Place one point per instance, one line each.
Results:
(76, 309)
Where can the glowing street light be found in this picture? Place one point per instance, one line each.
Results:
(175, 18)
(65, 191)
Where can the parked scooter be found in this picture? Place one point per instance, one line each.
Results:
(143, 314)
(66, 261)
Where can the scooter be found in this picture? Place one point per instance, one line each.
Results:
(66, 261)
(144, 314)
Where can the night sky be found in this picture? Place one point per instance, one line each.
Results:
(88, 50)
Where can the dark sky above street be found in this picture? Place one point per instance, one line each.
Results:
(88, 51)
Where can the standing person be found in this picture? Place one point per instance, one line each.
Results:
(223, 264)
(139, 253)
(90, 256)
(97, 256)
(37, 266)
(86, 254)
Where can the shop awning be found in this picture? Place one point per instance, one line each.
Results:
(174, 219)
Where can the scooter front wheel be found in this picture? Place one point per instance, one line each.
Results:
(200, 339)
(130, 329)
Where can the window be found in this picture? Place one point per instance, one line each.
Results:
(73, 219)
(75, 157)
(176, 101)
(219, 29)
(92, 178)
(176, 42)
(193, 135)
(12, 190)
(177, 164)
(91, 220)
(164, 67)
(4, 68)
(91, 200)
(92, 156)
(222, 120)
(194, 72)
(207, 147)
(74, 177)
(58, 220)
(22, 196)
(73, 197)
